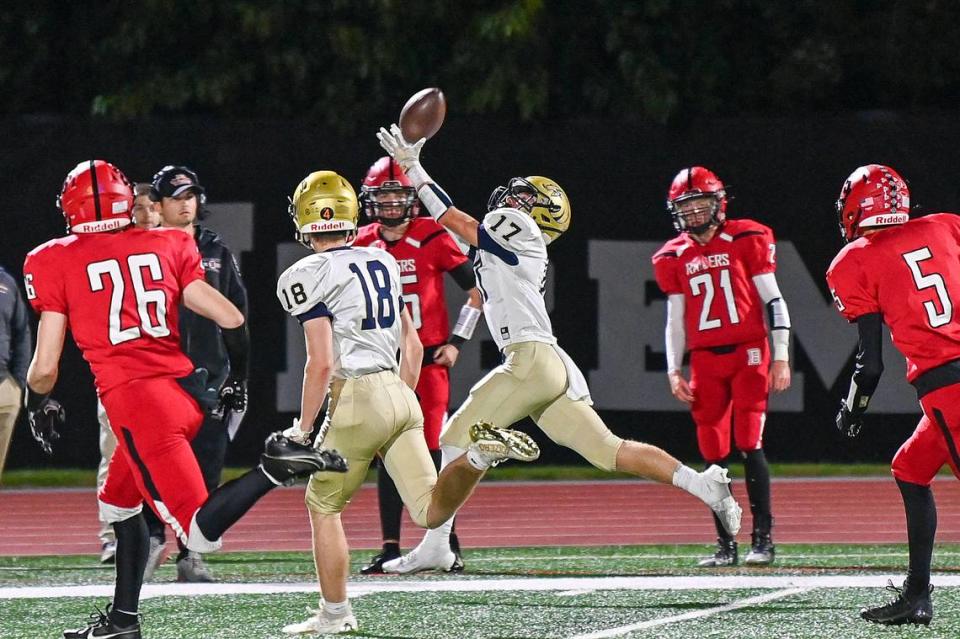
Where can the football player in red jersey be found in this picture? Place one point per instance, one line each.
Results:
(117, 288)
(425, 251)
(718, 275)
(906, 274)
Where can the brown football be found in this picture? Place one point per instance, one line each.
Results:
(423, 114)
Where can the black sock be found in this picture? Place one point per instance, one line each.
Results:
(183, 550)
(391, 506)
(437, 457)
(758, 489)
(155, 527)
(133, 545)
(921, 514)
(722, 533)
(391, 549)
(228, 503)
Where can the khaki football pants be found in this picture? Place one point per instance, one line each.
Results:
(108, 443)
(10, 393)
(532, 382)
(371, 414)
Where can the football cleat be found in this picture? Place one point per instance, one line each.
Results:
(916, 609)
(155, 556)
(323, 623)
(726, 555)
(284, 460)
(494, 444)
(429, 556)
(375, 567)
(108, 552)
(762, 551)
(101, 626)
(193, 569)
(721, 500)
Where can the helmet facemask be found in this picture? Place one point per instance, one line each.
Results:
(391, 195)
(539, 197)
(716, 215)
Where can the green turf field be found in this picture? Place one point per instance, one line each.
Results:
(615, 591)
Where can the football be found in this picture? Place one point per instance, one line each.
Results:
(423, 114)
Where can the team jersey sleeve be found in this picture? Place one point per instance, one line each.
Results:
(43, 283)
(850, 290)
(301, 292)
(759, 251)
(448, 254)
(189, 267)
(665, 272)
(508, 233)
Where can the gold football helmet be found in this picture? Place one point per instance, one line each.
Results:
(541, 198)
(324, 202)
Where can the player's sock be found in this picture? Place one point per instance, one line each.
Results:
(437, 456)
(758, 489)
(230, 501)
(921, 511)
(722, 533)
(133, 546)
(391, 548)
(391, 506)
(184, 551)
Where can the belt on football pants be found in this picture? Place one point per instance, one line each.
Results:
(936, 378)
(725, 349)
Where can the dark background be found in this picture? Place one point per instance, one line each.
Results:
(608, 98)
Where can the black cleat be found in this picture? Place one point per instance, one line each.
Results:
(458, 562)
(101, 626)
(726, 555)
(916, 609)
(284, 460)
(762, 551)
(375, 567)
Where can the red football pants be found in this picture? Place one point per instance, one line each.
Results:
(934, 442)
(434, 391)
(154, 421)
(729, 382)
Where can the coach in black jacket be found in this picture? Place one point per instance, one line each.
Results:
(15, 354)
(182, 200)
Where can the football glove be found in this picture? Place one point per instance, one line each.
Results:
(295, 434)
(233, 395)
(848, 423)
(44, 422)
(403, 152)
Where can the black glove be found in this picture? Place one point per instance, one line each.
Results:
(333, 461)
(848, 423)
(44, 420)
(233, 395)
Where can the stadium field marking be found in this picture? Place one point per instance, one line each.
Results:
(645, 556)
(696, 614)
(530, 584)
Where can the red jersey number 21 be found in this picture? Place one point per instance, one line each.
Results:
(99, 273)
(703, 285)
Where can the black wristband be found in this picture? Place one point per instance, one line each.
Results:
(33, 399)
(456, 340)
(237, 342)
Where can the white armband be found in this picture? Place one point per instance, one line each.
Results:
(675, 334)
(781, 344)
(466, 322)
(434, 199)
(778, 316)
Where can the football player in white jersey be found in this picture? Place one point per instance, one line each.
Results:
(537, 378)
(348, 301)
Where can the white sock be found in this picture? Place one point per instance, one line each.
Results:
(440, 536)
(690, 480)
(478, 460)
(334, 609)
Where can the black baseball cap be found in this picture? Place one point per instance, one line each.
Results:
(171, 181)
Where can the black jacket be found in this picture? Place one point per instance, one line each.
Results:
(15, 342)
(200, 337)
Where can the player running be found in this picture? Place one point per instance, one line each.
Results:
(117, 288)
(537, 378)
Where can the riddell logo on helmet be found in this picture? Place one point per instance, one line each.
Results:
(891, 219)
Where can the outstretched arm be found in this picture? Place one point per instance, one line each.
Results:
(433, 198)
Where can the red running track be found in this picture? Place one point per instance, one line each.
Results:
(53, 522)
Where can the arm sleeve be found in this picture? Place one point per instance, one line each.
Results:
(464, 276)
(675, 333)
(20, 340)
(869, 367)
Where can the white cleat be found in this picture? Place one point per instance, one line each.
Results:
(423, 557)
(721, 500)
(495, 444)
(323, 623)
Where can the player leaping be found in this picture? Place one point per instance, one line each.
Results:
(537, 379)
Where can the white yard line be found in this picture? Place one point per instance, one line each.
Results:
(697, 614)
(564, 584)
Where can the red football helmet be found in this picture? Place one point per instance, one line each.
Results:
(96, 196)
(874, 195)
(692, 182)
(385, 187)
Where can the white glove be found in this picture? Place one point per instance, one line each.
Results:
(294, 433)
(406, 154)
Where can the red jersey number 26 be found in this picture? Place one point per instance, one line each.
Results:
(109, 273)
